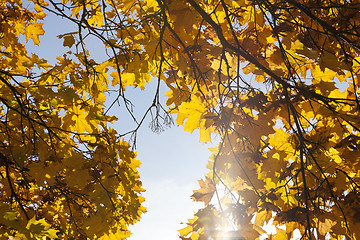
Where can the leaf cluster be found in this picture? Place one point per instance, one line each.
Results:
(276, 81)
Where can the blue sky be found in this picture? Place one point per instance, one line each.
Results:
(172, 162)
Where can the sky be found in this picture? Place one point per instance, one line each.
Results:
(172, 161)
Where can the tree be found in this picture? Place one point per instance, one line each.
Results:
(64, 172)
(276, 81)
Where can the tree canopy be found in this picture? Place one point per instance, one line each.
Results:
(275, 80)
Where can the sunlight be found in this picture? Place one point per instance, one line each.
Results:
(225, 235)
(227, 231)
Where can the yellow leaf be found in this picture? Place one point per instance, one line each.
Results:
(193, 111)
(325, 227)
(40, 228)
(194, 236)
(205, 134)
(81, 122)
(116, 79)
(206, 191)
(319, 75)
(334, 154)
(280, 234)
(151, 3)
(185, 231)
(128, 79)
(261, 217)
(97, 19)
(11, 216)
(33, 31)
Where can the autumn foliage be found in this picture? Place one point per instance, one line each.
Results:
(275, 81)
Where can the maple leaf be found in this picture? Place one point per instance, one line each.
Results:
(69, 41)
(206, 191)
(80, 118)
(40, 228)
(33, 30)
